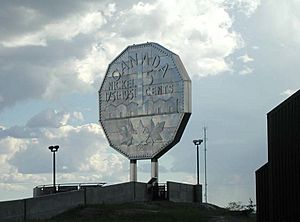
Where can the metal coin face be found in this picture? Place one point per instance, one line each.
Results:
(145, 101)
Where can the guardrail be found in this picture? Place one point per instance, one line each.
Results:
(46, 189)
(71, 184)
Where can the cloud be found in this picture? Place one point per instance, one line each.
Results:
(91, 67)
(10, 145)
(40, 55)
(246, 58)
(16, 177)
(67, 49)
(66, 29)
(49, 118)
(78, 115)
(19, 132)
(248, 7)
(34, 24)
(146, 168)
(282, 21)
(288, 92)
(41, 123)
(11, 187)
(79, 147)
(52, 49)
(246, 71)
(200, 30)
(84, 152)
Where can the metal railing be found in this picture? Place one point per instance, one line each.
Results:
(78, 185)
(41, 190)
(159, 191)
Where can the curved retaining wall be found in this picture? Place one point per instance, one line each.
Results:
(47, 206)
(40, 207)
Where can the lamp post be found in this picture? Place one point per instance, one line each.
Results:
(54, 149)
(197, 143)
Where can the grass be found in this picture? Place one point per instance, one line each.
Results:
(151, 211)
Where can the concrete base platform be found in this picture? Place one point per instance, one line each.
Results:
(49, 205)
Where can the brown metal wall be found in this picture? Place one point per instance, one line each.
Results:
(262, 194)
(278, 181)
(284, 160)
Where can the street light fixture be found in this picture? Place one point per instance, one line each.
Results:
(54, 149)
(197, 143)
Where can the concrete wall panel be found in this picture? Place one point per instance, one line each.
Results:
(51, 205)
(47, 206)
(179, 192)
(12, 210)
(119, 193)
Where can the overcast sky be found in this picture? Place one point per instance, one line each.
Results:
(242, 56)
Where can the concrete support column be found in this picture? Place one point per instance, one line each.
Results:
(133, 171)
(198, 193)
(154, 168)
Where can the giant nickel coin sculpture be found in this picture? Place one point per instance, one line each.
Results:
(145, 101)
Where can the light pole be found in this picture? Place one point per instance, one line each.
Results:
(205, 173)
(197, 143)
(54, 149)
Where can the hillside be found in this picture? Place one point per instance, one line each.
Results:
(152, 211)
